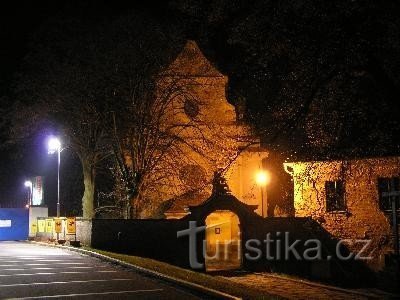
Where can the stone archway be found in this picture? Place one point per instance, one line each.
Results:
(223, 241)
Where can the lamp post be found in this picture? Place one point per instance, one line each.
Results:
(55, 146)
(262, 179)
(29, 185)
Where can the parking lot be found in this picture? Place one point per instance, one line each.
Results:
(29, 271)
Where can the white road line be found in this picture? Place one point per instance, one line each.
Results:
(66, 272)
(36, 264)
(47, 268)
(26, 274)
(7, 265)
(65, 282)
(51, 263)
(29, 257)
(107, 271)
(70, 263)
(50, 260)
(24, 269)
(90, 294)
(77, 272)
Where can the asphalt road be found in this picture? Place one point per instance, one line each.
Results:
(29, 271)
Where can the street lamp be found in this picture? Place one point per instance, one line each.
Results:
(29, 185)
(54, 145)
(262, 179)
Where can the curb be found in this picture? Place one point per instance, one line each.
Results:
(179, 282)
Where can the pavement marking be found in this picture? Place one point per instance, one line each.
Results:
(50, 263)
(48, 268)
(51, 260)
(22, 269)
(66, 282)
(71, 263)
(26, 274)
(89, 294)
(108, 271)
(29, 257)
(66, 272)
(56, 263)
(35, 264)
(7, 265)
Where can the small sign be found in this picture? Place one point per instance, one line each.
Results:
(41, 225)
(217, 230)
(5, 223)
(49, 225)
(37, 190)
(57, 225)
(33, 228)
(71, 225)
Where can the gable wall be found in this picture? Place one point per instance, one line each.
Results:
(214, 131)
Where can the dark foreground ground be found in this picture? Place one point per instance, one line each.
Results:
(29, 271)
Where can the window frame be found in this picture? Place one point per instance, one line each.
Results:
(388, 182)
(335, 207)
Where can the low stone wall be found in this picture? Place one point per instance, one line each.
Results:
(285, 231)
(147, 238)
(157, 239)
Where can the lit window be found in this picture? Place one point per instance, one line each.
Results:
(388, 185)
(334, 191)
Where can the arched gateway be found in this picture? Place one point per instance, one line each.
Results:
(223, 241)
(225, 218)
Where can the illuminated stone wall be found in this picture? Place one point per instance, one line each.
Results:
(362, 218)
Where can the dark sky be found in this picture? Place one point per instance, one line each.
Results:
(275, 54)
(18, 22)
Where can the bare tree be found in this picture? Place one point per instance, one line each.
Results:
(71, 79)
(157, 138)
(104, 86)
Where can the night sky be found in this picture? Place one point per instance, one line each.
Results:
(297, 66)
(18, 23)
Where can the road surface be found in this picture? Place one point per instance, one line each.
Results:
(29, 271)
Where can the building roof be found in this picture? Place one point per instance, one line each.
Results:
(191, 62)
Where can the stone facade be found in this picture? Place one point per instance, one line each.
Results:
(214, 137)
(361, 216)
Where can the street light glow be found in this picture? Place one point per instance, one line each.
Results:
(28, 183)
(262, 178)
(54, 145)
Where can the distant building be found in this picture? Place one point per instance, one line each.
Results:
(346, 198)
(216, 120)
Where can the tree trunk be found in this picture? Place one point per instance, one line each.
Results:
(134, 207)
(89, 183)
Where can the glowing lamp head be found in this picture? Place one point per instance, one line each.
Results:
(262, 178)
(54, 145)
(28, 183)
